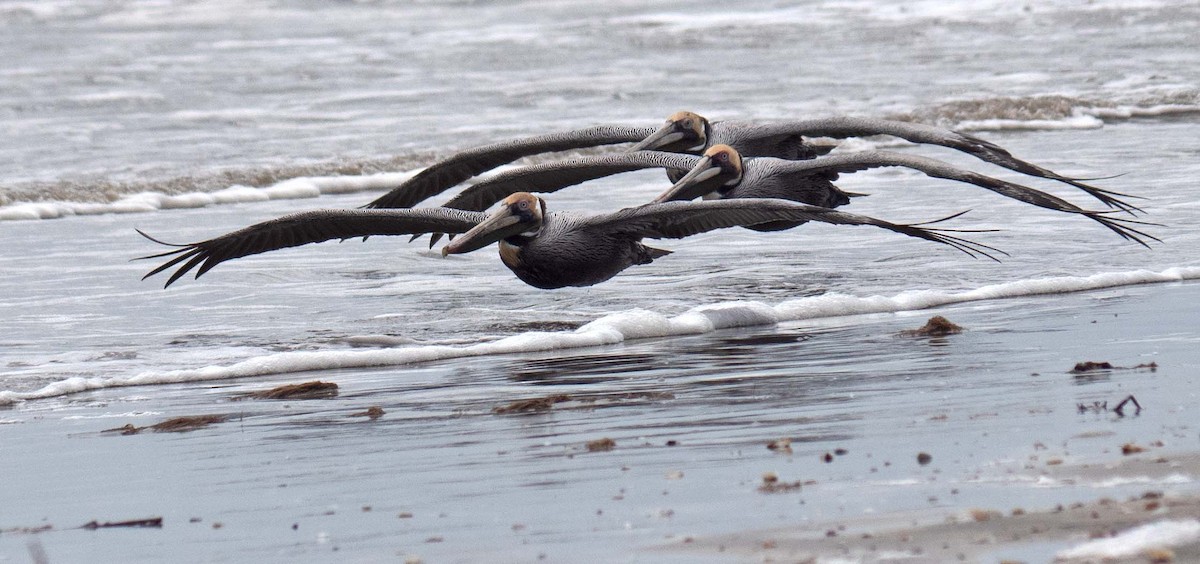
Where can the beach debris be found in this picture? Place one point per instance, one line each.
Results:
(1159, 555)
(28, 530)
(591, 401)
(937, 326)
(1120, 409)
(1088, 366)
(188, 423)
(1131, 448)
(924, 458)
(983, 515)
(126, 429)
(783, 446)
(374, 412)
(154, 522)
(601, 445)
(1102, 406)
(315, 389)
(675, 475)
(173, 425)
(1097, 407)
(531, 405)
(827, 457)
(620, 397)
(771, 484)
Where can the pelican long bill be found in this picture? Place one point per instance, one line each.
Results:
(684, 132)
(666, 135)
(692, 185)
(502, 224)
(719, 168)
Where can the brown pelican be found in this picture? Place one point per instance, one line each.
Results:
(785, 139)
(544, 249)
(722, 173)
(687, 132)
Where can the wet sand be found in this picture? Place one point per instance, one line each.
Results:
(883, 445)
(1004, 534)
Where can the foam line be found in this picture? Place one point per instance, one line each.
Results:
(294, 188)
(615, 328)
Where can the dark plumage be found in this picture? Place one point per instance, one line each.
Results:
(687, 132)
(545, 250)
(722, 173)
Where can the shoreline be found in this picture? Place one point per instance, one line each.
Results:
(1013, 534)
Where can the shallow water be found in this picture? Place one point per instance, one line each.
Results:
(736, 339)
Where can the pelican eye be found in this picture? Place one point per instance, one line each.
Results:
(686, 124)
(524, 204)
(721, 157)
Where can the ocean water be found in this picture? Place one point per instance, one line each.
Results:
(188, 120)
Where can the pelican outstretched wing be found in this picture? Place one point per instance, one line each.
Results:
(440, 176)
(554, 176)
(308, 227)
(845, 126)
(851, 162)
(676, 220)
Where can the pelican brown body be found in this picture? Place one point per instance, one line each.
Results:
(555, 249)
(544, 249)
(690, 133)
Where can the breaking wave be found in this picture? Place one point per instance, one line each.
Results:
(1052, 111)
(612, 329)
(303, 187)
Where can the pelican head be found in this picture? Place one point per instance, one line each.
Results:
(684, 132)
(720, 167)
(518, 214)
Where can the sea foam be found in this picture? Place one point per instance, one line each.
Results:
(294, 188)
(614, 328)
(1163, 534)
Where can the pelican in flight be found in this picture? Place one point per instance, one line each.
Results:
(544, 249)
(690, 133)
(721, 172)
